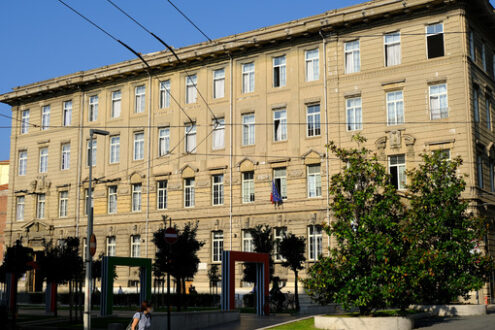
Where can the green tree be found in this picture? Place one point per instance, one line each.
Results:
(262, 243)
(292, 249)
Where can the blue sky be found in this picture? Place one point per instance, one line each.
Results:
(43, 39)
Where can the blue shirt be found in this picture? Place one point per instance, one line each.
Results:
(144, 321)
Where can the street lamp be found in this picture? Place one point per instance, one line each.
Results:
(89, 210)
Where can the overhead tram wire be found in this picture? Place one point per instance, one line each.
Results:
(189, 20)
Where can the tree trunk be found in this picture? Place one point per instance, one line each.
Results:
(70, 300)
(296, 293)
(178, 290)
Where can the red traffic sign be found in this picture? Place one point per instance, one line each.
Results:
(171, 235)
(92, 245)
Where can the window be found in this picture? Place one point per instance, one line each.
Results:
(116, 103)
(216, 246)
(483, 56)
(40, 207)
(247, 240)
(434, 40)
(472, 52)
(67, 113)
(279, 234)
(189, 192)
(25, 122)
(139, 146)
(314, 242)
(135, 246)
(218, 83)
(392, 49)
(43, 160)
(45, 117)
(312, 58)
(354, 114)
(280, 180)
(248, 187)
(476, 104)
(488, 112)
(63, 204)
(140, 99)
(492, 178)
(112, 199)
(86, 200)
(395, 108)
(20, 206)
(279, 71)
(352, 57)
(165, 94)
(111, 246)
(279, 125)
(161, 192)
(191, 92)
(397, 170)
(163, 141)
(444, 154)
(22, 162)
(314, 181)
(92, 153)
(65, 156)
(114, 149)
(217, 189)
(479, 165)
(218, 135)
(313, 120)
(93, 108)
(190, 138)
(248, 129)
(248, 77)
(136, 197)
(438, 102)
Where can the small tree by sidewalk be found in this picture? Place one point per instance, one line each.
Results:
(291, 249)
(263, 243)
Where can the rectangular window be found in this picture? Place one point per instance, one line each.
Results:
(280, 180)
(279, 71)
(483, 57)
(165, 94)
(476, 104)
(191, 92)
(112, 199)
(91, 153)
(163, 141)
(93, 108)
(395, 108)
(140, 99)
(136, 197)
(67, 113)
(135, 246)
(65, 156)
(492, 177)
(161, 191)
(354, 114)
(438, 102)
(40, 207)
(313, 120)
(63, 204)
(248, 129)
(218, 135)
(392, 49)
(43, 160)
(189, 193)
(248, 77)
(314, 242)
(434, 40)
(479, 165)
(314, 181)
(20, 207)
(22, 162)
(116, 104)
(278, 236)
(217, 189)
(25, 122)
(488, 106)
(248, 187)
(216, 246)
(139, 146)
(111, 246)
(280, 125)
(45, 117)
(218, 83)
(312, 58)
(352, 57)
(86, 200)
(247, 240)
(114, 149)
(472, 52)
(397, 171)
(190, 138)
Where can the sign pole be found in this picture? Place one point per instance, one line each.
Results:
(170, 237)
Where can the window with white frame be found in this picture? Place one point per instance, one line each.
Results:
(40, 207)
(191, 91)
(397, 171)
(65, 165)
(314, 180)
(20, 207)
(279, 125)
(312, 59)
(392, 49)
(140, 99)
(86, 200)
(248, 77)
(190, 138)
(218, 83)
(163, 141)
(45, 117)
(217, 189)
(314, 242)
(93, 108)
(67, 113)
(279, 71)
(476, 104)
(434, 40)
(111, 246)
(479, 165)
(313, 120)
(247, 240)
(248, 129)
(354, 114)
(488, 109)
(136, 197)
(138, 146)
(352, 57)
(278, 236)
(112, 199)
(483, 57)
(218, 135)
(91, 153)
(216, 245)
(116, 104)
(472, 52)
(395, 108)
(43, 160)
(115, 149)
(248, 187)
(135, 246)
(189, 192)
(22, 162)
(280, 181)
(165, 94)
(63, 204)
(25, 122)
(161, 192)
(438, 101)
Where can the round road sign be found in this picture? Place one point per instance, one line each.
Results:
(92, 245)
(171, 235)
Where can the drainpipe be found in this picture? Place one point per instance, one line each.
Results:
(231, 147)
(12, 174)
(149, 167)
(79, 161)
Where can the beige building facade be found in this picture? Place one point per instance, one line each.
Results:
(208, 138)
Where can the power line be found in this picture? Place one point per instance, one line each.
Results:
(189, 20)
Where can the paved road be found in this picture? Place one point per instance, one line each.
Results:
(458, 323)
(252, 321)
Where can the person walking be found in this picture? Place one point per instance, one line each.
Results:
(142, 319)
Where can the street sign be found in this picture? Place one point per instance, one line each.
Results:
(92, 245)
(170, 235)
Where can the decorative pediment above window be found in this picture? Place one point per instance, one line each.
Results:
(381, 143)
(312, 157)
(136, 177)
(188, 171)
(40, 184)
(246, 165)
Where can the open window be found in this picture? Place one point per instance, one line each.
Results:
(434, 40)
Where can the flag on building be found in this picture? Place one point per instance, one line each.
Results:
(275, 195)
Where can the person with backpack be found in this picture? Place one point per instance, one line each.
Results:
(142, 319)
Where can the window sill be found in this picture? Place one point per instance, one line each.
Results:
(313, 137)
